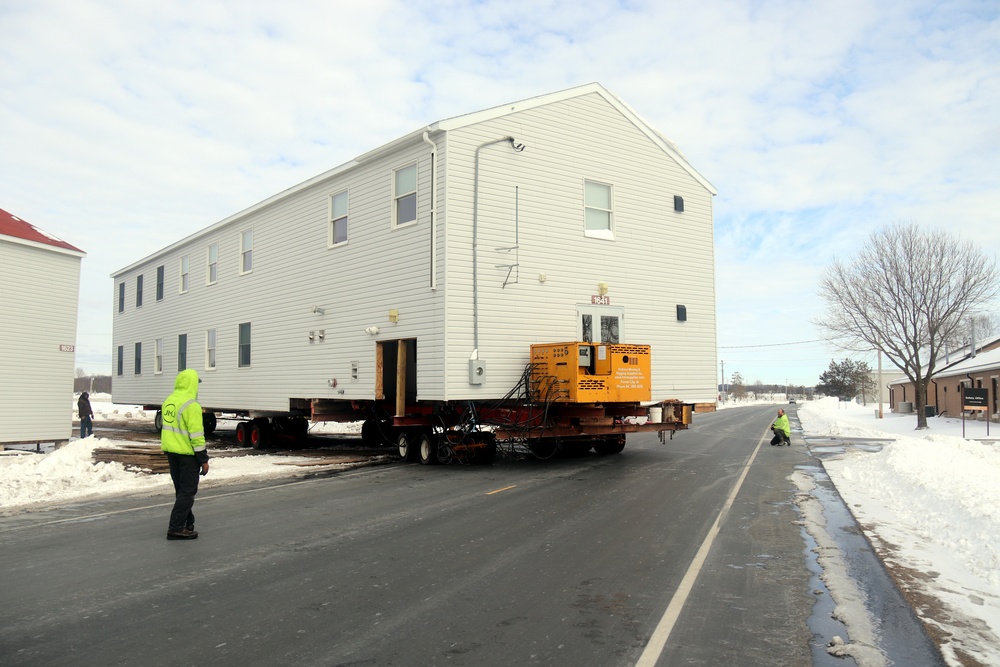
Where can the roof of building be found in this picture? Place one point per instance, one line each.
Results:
(983, 361)
(23, 231)
(965, 362)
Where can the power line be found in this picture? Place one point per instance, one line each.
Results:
(744, 347)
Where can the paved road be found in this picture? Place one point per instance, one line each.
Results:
(560, 562)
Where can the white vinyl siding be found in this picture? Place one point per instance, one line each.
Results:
(40, 291)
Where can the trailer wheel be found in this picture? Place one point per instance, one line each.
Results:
(300, 426)
(371, 434)
(543, 448)
(259, 434)
(158, 421)
(427, 449)
(613, 444)
(488, 454)
(404, 443)
(209, 422)
(242, 434)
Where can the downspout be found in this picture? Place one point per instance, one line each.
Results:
(434, 150)
(475, 239)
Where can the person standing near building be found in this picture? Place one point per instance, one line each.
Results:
(86, 415)
(782, 430)
(182, 438)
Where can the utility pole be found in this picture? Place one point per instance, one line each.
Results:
(880, 416)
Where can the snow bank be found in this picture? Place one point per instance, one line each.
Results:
(69, 474)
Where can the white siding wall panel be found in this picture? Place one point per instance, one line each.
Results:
(657, 260)
(38, 312)
(380, 268)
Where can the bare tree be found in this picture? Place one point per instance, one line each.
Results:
(906, 293)
(737, 387)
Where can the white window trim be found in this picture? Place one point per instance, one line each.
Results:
(244, 250)
(330, 243)
(209, 263)
(605, 234)
(395, 197)
(208, 357)
(158, 357)
(184, 276)
(239, 345)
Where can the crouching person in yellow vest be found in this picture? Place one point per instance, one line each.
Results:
(183, 440)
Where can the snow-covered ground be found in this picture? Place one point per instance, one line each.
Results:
(68, 474)
(929, 500)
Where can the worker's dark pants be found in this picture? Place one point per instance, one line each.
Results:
(86, 427)
(184, 471)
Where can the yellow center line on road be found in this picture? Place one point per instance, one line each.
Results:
(506, 488)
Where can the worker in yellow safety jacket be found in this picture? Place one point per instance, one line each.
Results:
(182, 438)
(782, 430)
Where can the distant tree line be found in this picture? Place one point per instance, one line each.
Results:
(95, 384)
(740, 390)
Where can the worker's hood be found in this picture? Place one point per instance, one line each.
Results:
(187, 382)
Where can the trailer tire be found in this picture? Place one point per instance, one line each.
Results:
(405, 446)
(427, 449)
(543, 448)
(209, 422)
(613, 444)
(158, 421)
(300, 426)
(488, 454)
(260, 434)
(242, 434)
(372, 434)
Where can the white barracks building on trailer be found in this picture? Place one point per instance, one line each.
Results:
(438, 259)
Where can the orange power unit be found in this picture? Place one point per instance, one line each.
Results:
(590, 373)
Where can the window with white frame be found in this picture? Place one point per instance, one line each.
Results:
(158, 357)
(244, 360)
(185, 270)
(598, 211)
(160, 270)
(212, 269)
(182, 352)
(339, 205)
(138, 358)
(210, 349)
(246, 251)
(404, 195)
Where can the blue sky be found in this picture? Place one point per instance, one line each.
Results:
(126, 126)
